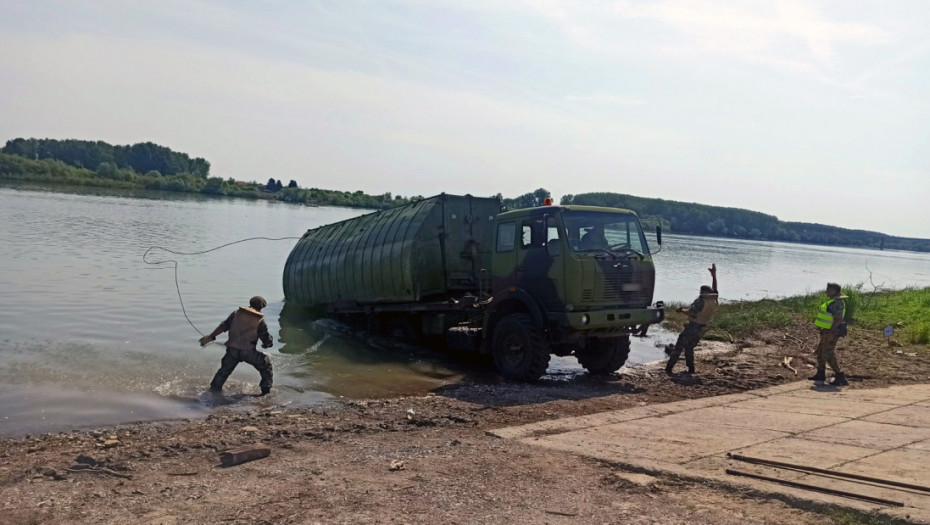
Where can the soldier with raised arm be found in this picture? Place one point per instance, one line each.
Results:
(699, 314)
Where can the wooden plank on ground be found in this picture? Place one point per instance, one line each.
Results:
(243, 454)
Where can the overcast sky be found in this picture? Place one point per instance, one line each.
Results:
(811, 111)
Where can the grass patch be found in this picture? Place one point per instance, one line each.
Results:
(907, 310)
(919, 334)
(849, 517)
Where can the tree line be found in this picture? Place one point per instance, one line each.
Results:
(718, 221)
(144, 157)
(150, 166)
(49, 171)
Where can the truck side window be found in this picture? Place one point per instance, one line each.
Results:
(505, 236)
(552, 230)
(532, 234)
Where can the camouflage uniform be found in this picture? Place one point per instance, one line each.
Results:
(252, 356)
(687, 340)
(691, 335)
(826, 350)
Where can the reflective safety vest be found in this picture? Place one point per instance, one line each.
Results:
(824, 318)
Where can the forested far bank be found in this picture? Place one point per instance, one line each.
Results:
(20, 169)
(66, 162)
(717, 221)
(144, 157)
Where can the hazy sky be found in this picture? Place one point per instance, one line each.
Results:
(811, 111)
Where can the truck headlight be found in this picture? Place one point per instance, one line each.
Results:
(585, 319)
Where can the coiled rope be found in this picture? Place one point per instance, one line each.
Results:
(175, 262)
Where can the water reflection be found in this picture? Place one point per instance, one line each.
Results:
(347, 361)
(51, 407)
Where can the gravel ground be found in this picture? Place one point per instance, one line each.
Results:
(424, 459)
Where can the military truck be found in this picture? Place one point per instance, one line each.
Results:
(520, 285)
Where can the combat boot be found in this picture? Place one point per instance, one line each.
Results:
(839, 380)
(821, 375)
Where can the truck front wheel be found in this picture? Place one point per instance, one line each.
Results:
(520, 348)
(604, 355)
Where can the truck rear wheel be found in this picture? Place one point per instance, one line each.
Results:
(401, 330)
(604, 355)
(520, 348)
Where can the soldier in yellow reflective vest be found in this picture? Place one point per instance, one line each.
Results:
(831, 321)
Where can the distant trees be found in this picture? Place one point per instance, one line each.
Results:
(214, 186)
(107, 169)
(700, 219)
(527, 200)
(108, 174)
(89, 163)
(144, 157)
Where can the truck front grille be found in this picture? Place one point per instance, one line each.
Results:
(617, 288)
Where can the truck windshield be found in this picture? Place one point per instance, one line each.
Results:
(590, 232)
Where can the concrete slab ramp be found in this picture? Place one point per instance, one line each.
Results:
(879, 433)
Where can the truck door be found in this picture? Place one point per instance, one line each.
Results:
(540, 271)
(505, 256)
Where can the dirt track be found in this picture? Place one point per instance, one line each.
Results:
(415, 459)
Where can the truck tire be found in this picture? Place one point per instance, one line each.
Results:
(603, 356)
(520, 348)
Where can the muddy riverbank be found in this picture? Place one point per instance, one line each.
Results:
(420, 459)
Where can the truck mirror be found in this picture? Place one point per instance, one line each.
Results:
(659, 234)
(553, 247)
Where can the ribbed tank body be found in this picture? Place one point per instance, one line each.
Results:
(424, 250)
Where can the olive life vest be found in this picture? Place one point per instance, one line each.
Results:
(243, 331)
(825, 318)
(707, 313)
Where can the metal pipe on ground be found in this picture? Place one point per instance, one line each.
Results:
(828, 472)
(814, 488)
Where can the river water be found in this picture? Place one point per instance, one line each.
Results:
(90, 335)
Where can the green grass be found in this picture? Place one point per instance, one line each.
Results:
(919, 334)
(907, 310)
(849, 517)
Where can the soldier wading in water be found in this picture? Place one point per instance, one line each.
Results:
(246, 326)
(699, 314)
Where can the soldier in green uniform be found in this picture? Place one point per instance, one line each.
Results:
(831, 321)
(246, 326)
(699, 314)
(594, 239)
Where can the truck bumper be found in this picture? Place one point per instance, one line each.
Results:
(607, 321)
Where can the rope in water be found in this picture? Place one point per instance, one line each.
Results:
(178, 286)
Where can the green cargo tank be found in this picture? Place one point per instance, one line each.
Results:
(424, 250)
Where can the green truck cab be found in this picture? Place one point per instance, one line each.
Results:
(520, 285)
